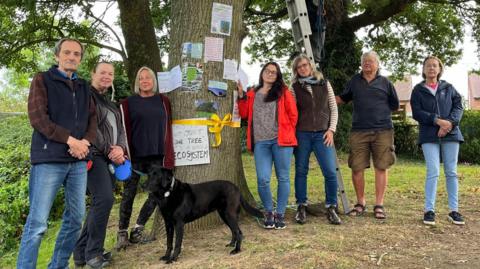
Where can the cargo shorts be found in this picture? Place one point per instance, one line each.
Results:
(378, 144)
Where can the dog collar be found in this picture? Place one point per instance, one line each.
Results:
(167, 193)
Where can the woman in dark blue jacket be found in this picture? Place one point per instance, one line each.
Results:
(437, 107)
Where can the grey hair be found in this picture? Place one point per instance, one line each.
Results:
(370, 53)
(318, 75)
(137, 79)
(58, 45)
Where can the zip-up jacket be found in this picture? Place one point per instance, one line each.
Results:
(105, 135)
(314, 112)
(426, 108)
(287, 117)
(169, 155)
(59, 108)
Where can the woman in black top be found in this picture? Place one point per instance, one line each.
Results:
(109, 147)
(148, 124)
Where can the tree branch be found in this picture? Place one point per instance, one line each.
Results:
(267, 16)
(371, 16)
(121, 51)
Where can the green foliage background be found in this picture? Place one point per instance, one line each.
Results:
(14, 171)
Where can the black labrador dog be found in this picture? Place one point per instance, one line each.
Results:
(182, 203)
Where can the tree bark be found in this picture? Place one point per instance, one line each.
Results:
(191, 20)
(140, 39)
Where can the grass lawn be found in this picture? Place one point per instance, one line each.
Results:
(401, 241)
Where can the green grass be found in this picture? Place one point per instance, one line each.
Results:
(357, 243)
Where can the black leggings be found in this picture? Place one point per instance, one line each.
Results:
(129, 192)
(100, 187)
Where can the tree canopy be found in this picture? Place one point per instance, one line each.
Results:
(402, 31)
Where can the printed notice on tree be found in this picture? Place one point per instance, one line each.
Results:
(230, 69)
(169, 81)
(213, 49)
(221, 19)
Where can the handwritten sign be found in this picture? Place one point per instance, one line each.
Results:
(190, 144)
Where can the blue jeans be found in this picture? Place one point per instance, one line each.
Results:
(45, 181)
(449, 153)
(308, 142)
(265, 153)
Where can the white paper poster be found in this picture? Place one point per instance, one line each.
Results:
(230, 69)
(221, 19)
(169, 81)
(243, 78)
(213, 49)
(235, 113)
(191, 145)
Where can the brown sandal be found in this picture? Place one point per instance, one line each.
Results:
(358, 210)
(379, 212)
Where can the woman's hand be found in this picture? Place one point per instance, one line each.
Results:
(328, 138)
(445, 127)
(116, 154)
(240, 89)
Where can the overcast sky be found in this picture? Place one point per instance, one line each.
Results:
(456, 74)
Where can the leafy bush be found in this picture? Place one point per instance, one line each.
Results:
(15, 137)
(470, 129)
(14, 167)
(406, 137)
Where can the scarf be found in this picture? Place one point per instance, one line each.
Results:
(309, 80)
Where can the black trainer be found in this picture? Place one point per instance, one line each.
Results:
(280, 222)
(95, 262)
(332, 215)
(456, 218)
(269, 221)
(429, 218)
(301, 216)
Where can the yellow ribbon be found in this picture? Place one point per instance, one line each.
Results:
(215, 123)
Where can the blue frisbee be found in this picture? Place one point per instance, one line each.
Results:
(123, 171)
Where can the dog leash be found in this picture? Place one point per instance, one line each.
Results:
(140, 173)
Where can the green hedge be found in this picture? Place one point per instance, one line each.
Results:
(470, 127)
(15, 137)
(14, 166)
(406, 137)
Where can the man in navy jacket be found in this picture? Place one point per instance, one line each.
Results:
(62, 115)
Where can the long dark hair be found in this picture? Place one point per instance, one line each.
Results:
(276, 91)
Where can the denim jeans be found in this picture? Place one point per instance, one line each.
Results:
(266, 153)
(308, 142)
(45, 181)
(449, 153)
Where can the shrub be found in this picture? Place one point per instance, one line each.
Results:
(406, 137)
(470, 129)
(15, 137)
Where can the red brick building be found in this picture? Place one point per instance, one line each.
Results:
(474, 91)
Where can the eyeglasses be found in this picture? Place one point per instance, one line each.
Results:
(303, 66)
(270, 72)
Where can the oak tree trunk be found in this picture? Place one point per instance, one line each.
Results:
(191, 20)
(140, 39)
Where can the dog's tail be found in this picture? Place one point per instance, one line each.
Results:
(250, 209)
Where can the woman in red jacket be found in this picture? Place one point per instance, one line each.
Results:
(272, 115)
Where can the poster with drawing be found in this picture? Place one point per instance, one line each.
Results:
(221, 19)
(192, 66)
